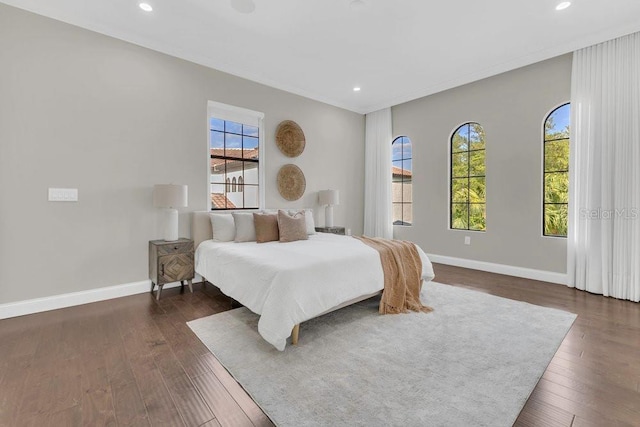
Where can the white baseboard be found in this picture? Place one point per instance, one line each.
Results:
(509, 270)
(37, 305)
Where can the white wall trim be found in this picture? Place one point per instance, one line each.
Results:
(509, 270)
(37, 305)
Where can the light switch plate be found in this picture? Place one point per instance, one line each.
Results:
(63, 194)
(467, 240)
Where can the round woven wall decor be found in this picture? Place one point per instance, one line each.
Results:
(290, 138)
(291, 182)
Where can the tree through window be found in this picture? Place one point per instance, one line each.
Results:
(556, 172)
(468, 186)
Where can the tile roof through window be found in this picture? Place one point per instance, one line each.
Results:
(232, 153)
(396, 171)
(220, 201)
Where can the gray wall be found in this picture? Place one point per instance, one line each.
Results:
(78, 109)
(511, 107)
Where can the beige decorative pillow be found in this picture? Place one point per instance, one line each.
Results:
(292, 228)
(266, 226)
(311, 226)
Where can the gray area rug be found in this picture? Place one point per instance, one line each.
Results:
(472, 362)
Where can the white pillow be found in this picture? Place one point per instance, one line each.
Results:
(245, 227)
(308, 219)
(224, 228)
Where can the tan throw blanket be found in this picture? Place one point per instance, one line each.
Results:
(402, 269)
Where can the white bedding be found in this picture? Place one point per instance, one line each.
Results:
(289, 283)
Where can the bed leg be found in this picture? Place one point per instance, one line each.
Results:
(294, 334)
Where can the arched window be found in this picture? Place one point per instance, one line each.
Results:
(233, 185)
(228, 186)
(240, 184)
(401, 181)
(555, 202)
(468, 186)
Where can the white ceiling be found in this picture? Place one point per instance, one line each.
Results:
(395, 51)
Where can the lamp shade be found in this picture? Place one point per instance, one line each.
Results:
(170, 196)
(329, 197)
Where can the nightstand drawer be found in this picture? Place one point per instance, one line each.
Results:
(175, 248)
(175, 268)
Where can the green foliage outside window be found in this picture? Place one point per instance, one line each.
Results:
(468, 187)
(556, 172)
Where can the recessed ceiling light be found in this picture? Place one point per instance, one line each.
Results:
(356, 89)
(563, 5)
(146, 7)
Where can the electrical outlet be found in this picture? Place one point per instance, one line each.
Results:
(63, 194)
(467, 240)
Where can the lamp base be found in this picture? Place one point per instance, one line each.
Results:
(328, 216)
(170, 225)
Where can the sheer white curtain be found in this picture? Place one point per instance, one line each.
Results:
(377, 175)
(604, 193)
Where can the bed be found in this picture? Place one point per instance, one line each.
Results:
(289, 283)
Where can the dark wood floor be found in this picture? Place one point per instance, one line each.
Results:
(134, 361)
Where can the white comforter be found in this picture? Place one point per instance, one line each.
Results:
(289, 283)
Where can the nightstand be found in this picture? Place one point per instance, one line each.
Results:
(332, 230)
(170, 262)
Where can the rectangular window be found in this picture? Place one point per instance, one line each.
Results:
(235, 153)
(402, 181)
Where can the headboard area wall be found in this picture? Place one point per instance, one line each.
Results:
(201, 227)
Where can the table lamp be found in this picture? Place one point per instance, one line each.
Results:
(330, 198)
(170, 197)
